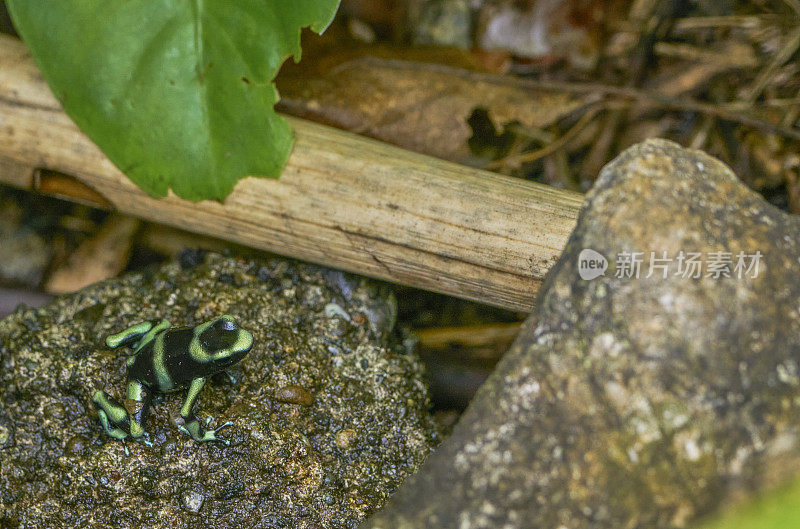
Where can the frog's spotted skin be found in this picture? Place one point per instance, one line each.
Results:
(165, 359)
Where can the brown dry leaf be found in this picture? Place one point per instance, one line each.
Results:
(410, 103)
(104, 255)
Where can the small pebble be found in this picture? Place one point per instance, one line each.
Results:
(345, 437)
(190, 258)
(192, 501)
(332, 309)
(76, 444)
(293, 394)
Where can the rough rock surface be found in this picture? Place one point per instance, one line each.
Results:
(328, 411)
(636, 403)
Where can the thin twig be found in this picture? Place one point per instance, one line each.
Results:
(552, 147)
(794, 5)
(791, 113)
(701, 135)
(732, 56)
(776, 102)
(732, 21)
(785, 53)
(793, 191)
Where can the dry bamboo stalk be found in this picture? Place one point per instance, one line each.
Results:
(344, 201)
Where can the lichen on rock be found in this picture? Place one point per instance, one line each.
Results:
(312, 378)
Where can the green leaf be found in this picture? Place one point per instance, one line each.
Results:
(777, 509)
(177, 93)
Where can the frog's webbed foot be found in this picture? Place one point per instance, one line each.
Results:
(123, 421)
(196, 430)
(113, 415)
(190, 425)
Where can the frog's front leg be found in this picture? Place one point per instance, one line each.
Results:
(124, 420)
(191, 425)
(135, 335)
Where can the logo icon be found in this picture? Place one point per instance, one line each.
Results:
(591, 264)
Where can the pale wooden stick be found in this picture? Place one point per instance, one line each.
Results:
(344, 201)
(467, 336)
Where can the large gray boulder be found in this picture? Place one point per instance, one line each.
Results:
(635, 402)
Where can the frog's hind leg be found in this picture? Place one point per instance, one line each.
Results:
(123, 421)
(191, 425)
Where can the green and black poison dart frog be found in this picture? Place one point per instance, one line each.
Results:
(166, 359)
